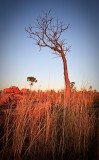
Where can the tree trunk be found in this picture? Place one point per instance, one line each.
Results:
(30, 87)
(67, 82)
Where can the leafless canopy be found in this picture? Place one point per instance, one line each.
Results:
(47, 33)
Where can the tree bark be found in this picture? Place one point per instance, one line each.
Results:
(67, 82)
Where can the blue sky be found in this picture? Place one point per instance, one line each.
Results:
(19, 58)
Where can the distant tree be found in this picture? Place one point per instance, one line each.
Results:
(95, 91)
(31, 80)
(90, 88)
(47, 33)
(72, 84)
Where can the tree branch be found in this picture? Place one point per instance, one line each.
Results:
(49, 34)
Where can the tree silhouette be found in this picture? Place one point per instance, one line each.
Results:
(31, 80)
(47, 33)
(72, 84)
(90, 88)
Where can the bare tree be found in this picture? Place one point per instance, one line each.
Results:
(31, 80)
(47, 33)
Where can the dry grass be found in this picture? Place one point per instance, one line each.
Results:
(41, 127)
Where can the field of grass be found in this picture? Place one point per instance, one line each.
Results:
(40, 127)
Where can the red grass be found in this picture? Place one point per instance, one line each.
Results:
(41, 126)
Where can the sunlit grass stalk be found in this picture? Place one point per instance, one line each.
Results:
(56, 128)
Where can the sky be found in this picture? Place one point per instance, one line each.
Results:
(20, 58)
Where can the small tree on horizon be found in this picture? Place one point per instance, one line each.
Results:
(90, 88)
(31, 80)
(47, 33)
(72, 84)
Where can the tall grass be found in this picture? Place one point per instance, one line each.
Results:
(41, 127)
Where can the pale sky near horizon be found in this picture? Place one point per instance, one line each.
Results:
(19, 58)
